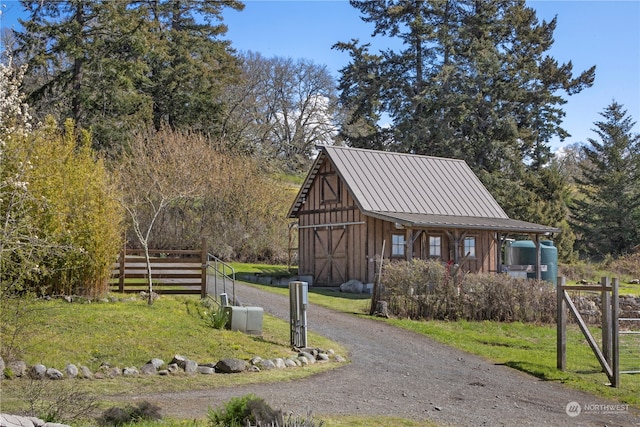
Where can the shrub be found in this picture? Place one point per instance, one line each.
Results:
(627, 265)
(143, 411)
(242, 410)
(61, 218)
(428, 290)
(56, 401)
(214, 316)
(578, 271)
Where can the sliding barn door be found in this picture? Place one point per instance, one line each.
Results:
(331, 260)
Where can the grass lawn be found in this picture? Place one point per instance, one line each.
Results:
(130, 333)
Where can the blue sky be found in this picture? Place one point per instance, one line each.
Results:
(601, 33)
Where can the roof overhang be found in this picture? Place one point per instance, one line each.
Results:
(504, 225)
(306, 185)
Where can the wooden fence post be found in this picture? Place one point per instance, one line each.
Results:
(123, 257)
(561, 343)
(605, 309)
(204, 258)
(615, 308)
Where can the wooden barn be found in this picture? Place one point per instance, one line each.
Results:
(354, 202)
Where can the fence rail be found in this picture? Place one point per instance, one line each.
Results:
(172, 271)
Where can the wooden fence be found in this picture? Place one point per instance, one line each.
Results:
(172, 271)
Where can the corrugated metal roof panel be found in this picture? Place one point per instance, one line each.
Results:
(393, 182)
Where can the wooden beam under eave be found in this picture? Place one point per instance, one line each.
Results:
(409, 243)
(538, 257)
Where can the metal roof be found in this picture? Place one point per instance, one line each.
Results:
(416, 190)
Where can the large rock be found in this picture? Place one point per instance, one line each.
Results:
(18, 368)
(206, 370)
(148, 369)
(310, 357)
(38, 371)
(54, 374)
(7, 420)
(231, 366)
(71, 370)
(85, 373)
(290, 363)
(130, 371)
(266, 364)
(156, 362)
(352, 286)
(322, 357)
(179, 360)
(190, 366)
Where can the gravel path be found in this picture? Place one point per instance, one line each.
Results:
(399, 373)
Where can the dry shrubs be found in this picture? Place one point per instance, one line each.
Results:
(428, 290)
(57, 401)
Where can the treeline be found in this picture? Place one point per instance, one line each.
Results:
(187, 135)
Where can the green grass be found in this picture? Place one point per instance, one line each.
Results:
(130, 333)
(629, 289)
(265, 269)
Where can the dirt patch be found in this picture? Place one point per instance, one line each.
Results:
(398, 373)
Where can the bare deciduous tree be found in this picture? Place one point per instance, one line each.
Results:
(160, 169)
(281, 109)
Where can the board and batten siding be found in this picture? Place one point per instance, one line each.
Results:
(332, 232)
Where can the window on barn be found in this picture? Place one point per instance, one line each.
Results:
(330, 188)
(435, 246)
(469, 247)
(397, 245)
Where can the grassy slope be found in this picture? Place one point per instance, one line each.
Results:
(131, 333)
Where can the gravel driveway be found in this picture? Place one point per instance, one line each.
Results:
(398, 373)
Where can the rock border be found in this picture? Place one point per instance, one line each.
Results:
(178, 364)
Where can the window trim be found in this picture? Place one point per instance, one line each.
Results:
(395, 245)
(328, 194)
(466, 248)
(432, 246)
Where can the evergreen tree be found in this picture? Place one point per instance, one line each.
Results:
(118, 65)
(473, 81)
(606, 212)
(189, 63)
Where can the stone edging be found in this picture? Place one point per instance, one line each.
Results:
(179, 364)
